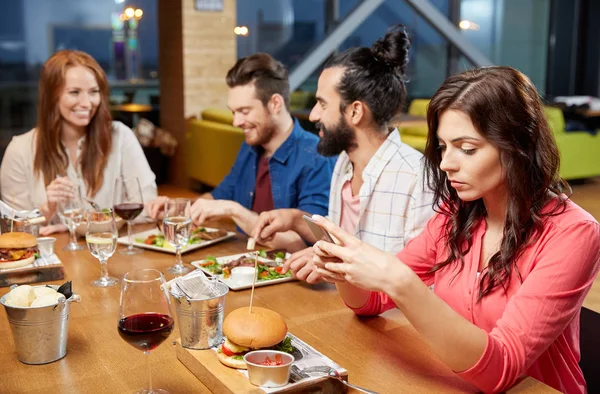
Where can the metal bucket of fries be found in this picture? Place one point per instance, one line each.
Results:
(200, 321)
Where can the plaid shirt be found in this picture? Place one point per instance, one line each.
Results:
(394, 206)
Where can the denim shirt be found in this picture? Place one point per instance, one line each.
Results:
(300, 177)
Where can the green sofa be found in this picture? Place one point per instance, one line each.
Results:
(212, 144)
(416, 136)
(579, 150)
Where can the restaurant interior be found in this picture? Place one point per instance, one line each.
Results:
(166, 62)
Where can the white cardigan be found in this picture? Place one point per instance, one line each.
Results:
(126, 158)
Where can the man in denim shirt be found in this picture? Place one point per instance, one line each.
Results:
(277, 166)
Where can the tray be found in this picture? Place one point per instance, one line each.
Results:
(168, 248)
(235, 285)
(43, 269)
(205, 365)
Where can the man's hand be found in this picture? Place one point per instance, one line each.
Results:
(156, 208)
(275, 221)
(204, 210)
(302, 266)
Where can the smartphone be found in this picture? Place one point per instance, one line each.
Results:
(317, 231)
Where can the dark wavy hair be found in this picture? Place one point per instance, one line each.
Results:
(506, 110)
(375, 75)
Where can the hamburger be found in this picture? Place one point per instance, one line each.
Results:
(17, 249)
(245, 331)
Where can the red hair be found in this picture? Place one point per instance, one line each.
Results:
(50, 157)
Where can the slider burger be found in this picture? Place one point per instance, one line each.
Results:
(17, 249)
(245, 331)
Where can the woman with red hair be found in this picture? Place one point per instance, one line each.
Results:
(75, 140)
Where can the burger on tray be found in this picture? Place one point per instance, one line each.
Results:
(17, 249)
(245, 331)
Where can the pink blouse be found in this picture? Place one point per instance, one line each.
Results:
(533, 328)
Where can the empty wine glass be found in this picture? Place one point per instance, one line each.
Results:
(177, 227)
(101, 237)
(128, 204)
(71, 212)
(145, 319)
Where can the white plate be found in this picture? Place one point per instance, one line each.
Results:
(168, 248)
(233, 285)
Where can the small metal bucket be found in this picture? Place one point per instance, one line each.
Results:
(40, 333)
(201, 321)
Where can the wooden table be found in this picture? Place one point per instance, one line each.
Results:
(384, 354)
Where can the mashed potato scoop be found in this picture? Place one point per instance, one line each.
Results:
(47, 299)
(21, 296)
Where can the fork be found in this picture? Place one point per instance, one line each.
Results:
(332, 373)
(93, 204)
(296, 374)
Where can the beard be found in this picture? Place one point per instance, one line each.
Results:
(340, 137)
(264, 134)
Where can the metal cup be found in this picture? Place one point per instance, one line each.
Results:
(201, 321)
(40, 333)
(46, 246)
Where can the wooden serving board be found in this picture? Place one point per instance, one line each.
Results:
(220, 379)
(29, 275)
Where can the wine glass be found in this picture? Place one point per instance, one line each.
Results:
(177, 227)
(128, 204)
(71, 212)
(145, 319)
(101, 237)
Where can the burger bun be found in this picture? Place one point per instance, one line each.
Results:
(17, 263)
(260, 329)
(17, 240)
(231, 362)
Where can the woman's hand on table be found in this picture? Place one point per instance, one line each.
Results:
(51, 229)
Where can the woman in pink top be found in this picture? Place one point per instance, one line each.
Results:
(511, 258)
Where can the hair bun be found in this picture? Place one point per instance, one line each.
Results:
(393, 48)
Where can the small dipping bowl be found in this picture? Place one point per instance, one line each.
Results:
(243, 275)
(268, 376)
(46, 246)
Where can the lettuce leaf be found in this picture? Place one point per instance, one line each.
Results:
(285, 345)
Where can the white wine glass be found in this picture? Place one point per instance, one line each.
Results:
(128, 203)
(177, 227)
(101, 238)
(71, 213)
(145, 319)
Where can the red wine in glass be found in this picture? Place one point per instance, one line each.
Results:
(145, 319)
(145, 331)
(128, 203)
(129, 211)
